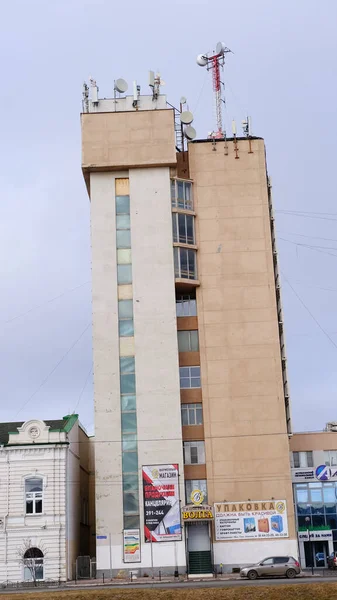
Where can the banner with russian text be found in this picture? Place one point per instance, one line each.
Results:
(162, 522)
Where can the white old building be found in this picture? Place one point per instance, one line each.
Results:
(44, 498)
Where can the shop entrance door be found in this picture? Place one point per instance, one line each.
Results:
(316, 552)
(199, 548)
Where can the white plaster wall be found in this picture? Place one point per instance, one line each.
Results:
(249, 552)
(156, 348)
(109, 502)
(46, 531)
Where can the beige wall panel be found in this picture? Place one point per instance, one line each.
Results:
(313, 441)
(246, 438)
(116, 140)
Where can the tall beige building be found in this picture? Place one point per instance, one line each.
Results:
(191, 401)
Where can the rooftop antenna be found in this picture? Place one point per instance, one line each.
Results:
(155, 82)
(136, 94)
(214, 62)
(247, 131)
(94, 90)
(120, 86)
(85, 96)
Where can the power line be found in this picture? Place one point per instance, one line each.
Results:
(304, 215)
(310, 313)
(310, 247)
(83, 388)
(47, 302)
(53, 370)
(305, 212)
(314, 237)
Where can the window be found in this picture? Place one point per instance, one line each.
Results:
(185, 263)
(131, 522)
(303, 459)
(191, 414)
(267, 561)
(195, 484)
(186, 305)
(189, 377)
(126, 328)
(183, 228)
(181, 194)
(33, 565)
(188, 341)
(124, 274)
(122, 205)
(194, 453)
(330, 458)
(34, 495)
(123, 237)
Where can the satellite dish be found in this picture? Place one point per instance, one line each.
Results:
(186, 117)
(220, 48)
(190, 132)
(202, 60)
(183, 100)
(121, 86)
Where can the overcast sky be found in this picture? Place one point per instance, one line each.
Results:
(282, 73)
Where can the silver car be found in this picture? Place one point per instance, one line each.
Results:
(273, 566)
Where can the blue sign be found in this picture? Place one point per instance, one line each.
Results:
(323, 473)
(101, 537)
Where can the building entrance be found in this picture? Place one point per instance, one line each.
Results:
(199, 547)
(316, 553)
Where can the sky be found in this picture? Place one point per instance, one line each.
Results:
(282, 73)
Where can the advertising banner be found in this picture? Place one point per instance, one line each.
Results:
(162, 521)
(131, 539)
(320, 473)
(251, 520)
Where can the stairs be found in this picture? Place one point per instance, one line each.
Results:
(200, 562)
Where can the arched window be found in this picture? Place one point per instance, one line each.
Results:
(33, 564)
(34, 495)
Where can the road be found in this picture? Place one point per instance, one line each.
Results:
(214, 583)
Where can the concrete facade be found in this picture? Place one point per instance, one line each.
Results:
(218, 252)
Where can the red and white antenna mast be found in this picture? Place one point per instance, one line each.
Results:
(214, 62)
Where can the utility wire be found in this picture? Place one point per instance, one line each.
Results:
(310, 247)
(309, 311)
(314, 237)
(47, 302)
(293, 214)
(83, 388)
(305, 212)
(53, 370)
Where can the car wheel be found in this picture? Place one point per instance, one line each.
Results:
(291, 573)
(252, 575)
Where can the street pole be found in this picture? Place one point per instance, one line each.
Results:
(312, 554)
(151, 556)
(110, 556)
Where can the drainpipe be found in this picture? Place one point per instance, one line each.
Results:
(6, 515)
